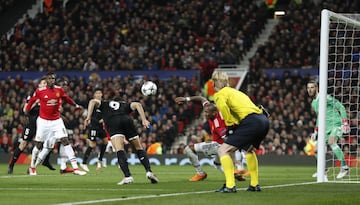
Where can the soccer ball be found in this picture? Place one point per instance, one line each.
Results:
(148, 88)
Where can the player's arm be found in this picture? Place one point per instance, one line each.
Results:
(345, 127)
(92, 104)
(223, 109)
(201, 99)
(70, 100)
(35, 103)
(341, 108)
(137, 106)
(29, 105)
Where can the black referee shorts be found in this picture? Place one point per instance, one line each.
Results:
(250, 132)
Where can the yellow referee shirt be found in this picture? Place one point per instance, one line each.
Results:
(234, 105)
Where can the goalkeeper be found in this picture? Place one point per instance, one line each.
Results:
(336, 124)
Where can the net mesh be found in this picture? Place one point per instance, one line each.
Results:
(344, 85)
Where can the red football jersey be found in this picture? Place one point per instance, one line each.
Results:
(50, 101)
(218, 128)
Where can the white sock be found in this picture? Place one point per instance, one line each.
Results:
(194, 159)
(44, 152)
(238, 160)
(63, 157)
(71, 156)
(34, 154)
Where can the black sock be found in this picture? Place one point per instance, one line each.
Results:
(87, 154)
(16, 155)
(144, 159)
(122, 160)
(102, 151)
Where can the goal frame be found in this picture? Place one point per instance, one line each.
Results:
(326, 16)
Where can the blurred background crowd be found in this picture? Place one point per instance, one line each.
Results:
(109, 35)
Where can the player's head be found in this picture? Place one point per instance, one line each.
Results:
(42, 82)
(62, 83)
(210, 111)
(98, 94)
(221, 79)
(51, 79)
(312, 88)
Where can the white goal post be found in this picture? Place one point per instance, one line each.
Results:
(339, 68)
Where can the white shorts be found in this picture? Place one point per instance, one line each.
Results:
(208, 148)
(50, 131)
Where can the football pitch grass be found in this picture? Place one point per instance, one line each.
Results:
(280, 185)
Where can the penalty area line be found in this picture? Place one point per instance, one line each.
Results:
(173, 194)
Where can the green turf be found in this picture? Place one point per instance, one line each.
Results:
(49, 187)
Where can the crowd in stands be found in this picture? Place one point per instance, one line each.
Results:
(5, 5)
(169, 35)
(295, 41)
(134, 35)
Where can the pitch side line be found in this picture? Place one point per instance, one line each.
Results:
(174, 194)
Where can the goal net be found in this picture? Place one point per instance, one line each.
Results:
(339, 77)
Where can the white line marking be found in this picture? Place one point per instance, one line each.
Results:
(174, 194)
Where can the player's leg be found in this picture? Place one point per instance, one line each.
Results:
(34, 155)
(16, 155)
(69, 152)
(59, 133)
(47, 163)
(335, 134)
(63, 159)
(43, 131)
(135, 141)
(238, 160)
(48, 145)
(92, 145)
(118, 144)
(239, 168)
(228, 167)
(102, 147)
(253, 168)
(28, 134)
(194, 159)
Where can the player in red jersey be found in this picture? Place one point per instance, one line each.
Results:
(29, 133)
(218, 133)
(50, 126)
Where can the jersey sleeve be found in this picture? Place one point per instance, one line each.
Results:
(32, 100)
(341, 108)
(66, 97)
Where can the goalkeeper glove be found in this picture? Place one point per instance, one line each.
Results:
(345, 127)
(314, 134)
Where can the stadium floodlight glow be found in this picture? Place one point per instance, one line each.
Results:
(339, 77)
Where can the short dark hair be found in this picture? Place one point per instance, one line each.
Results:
(50, 73)
(97, 89)
(312, 81)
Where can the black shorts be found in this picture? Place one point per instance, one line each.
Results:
(251, 131)
(30, 130)
(123, 125)
(96, 132)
